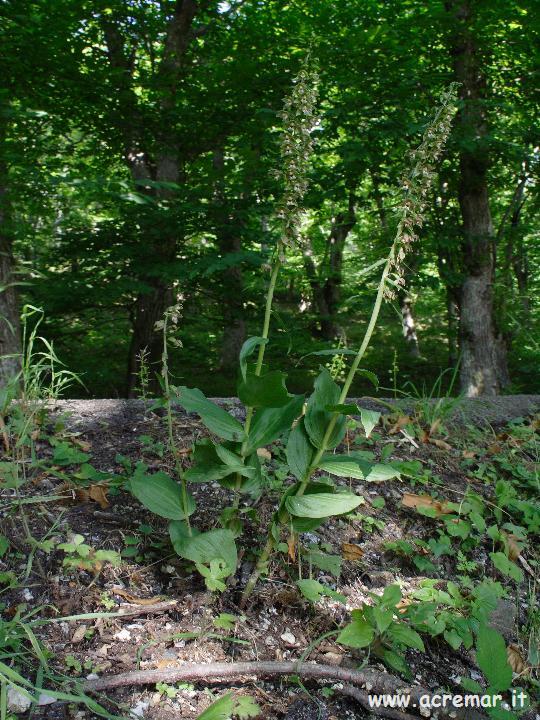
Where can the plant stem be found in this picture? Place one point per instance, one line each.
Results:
(269, 547)
(351, 374)
(172, 448)
(260, 357)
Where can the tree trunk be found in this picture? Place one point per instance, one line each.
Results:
(409, 326)
(227, 228)
(162, 165)
(10, 332)
(483, 354)
(327, 291)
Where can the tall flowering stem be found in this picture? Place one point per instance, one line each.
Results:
(299, 118)
(416, 188)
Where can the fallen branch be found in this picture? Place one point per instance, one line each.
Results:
(362, 698)
(135, 611)
(374, 681)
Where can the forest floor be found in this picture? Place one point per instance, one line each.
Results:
(170, 618)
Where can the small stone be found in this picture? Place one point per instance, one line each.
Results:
(139, 709)
(288, 638)
(333, 658)
(45, 699)
(16, 701)
(78, 635)
(503, 619)
(123, 635)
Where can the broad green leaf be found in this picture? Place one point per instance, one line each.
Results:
(313, 590)
(326, 392)
(357, 634)
(213, 417)
(271, 423)
(471, 686)
(391, 596)
(347, 466)
(373, 379)
(325, 561)
(67, 454)
(234, 461)
(303, 525)
(322, 505)
(381, 472)
(369, 418)
(396, 662)
(492, 658)
(343, 409)
(247, 348)
(264, 391)
(405, 635)
(207, 465)
(453, 638)
(299, 451)
(506, 566)
(178, 530)
(208, 546)
(160, 494)
(246, 707)
(383, 618)
(221, 709)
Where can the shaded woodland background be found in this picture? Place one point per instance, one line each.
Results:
(138, 147)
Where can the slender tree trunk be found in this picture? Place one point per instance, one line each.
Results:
(10, 333)
(483, 354)
(227, 228)
(409, 326)
(162, 164)
(317, 292)
(327, 291)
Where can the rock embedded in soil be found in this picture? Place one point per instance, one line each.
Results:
(503, 619)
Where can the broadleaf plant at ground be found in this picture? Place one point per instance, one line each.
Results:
(272, 414)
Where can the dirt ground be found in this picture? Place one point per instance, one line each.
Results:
(278, 624)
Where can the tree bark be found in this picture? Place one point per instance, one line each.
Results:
(515, 253)
(10, 331)
(483, 353)
(162, 164)
(227, 228)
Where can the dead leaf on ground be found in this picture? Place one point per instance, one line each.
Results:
(264, 453)
(165, 662)
(515, 659)
(78, 635)
(351, 551)
(82, 444)
(441, 444)
(136, 600)
(291, 545)
(468, 455)
(513, 547)
(403, 604)
(399, 424)
(425, 501)
(98, 493)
